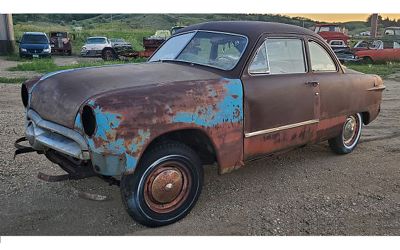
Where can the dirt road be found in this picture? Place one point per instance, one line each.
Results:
(307, 191)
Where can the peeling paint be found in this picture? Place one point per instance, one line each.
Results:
(124, 131)
(229, 109)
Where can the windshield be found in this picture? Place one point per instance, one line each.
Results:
(328, 28)
(96, 40)
(218, 50)
(34, 39)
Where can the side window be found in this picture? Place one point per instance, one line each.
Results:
(388, 45)
(259, 65)
(279, 56)
(320, 59)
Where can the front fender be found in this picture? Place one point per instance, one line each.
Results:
(129, 120)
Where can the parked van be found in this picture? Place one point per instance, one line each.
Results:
(34, 45)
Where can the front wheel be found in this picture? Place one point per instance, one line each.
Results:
(108, 54)
(165, 185)
(347, 141)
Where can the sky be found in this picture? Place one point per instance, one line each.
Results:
(341, 17)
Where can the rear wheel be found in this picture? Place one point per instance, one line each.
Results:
(165, 185)
(348, 139)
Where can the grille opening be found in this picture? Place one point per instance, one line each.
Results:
(88, 120)
(24, 95)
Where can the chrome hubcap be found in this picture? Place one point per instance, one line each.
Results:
(349, 130)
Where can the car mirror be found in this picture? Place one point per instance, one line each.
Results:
(17, 41)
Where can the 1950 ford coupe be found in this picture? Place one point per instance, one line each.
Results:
(224, 92)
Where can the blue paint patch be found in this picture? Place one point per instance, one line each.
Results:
(131, 162)
(229, 109)
(112, 148)
(106, 122)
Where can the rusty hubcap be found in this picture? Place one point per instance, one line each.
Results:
(166, 188)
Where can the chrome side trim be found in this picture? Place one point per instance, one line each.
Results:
(272, 130)
(69, 133)
(377, 88)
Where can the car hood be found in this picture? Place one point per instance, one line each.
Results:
(34, 46)
(58, 96)
(94, 46)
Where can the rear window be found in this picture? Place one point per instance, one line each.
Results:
(34, 39)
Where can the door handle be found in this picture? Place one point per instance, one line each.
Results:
(312, 83)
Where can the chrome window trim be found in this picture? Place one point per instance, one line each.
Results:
(277, 129)
(269, 72)
(208, 31)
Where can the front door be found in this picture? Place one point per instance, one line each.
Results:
(281, 99)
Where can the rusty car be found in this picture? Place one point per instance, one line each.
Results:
(378, 50)
(225, 92)
(60, 43)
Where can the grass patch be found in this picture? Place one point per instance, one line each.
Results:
(48, 65)
(13, 80)
(381, 69)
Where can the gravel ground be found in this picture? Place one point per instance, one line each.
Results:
(5, 65)
(309, 191)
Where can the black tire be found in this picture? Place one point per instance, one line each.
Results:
(345, 143)
(108, 54)
(139, 190)
(367, 60)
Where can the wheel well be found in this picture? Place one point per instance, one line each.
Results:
(365, 117)
(195, 139)
(108, 48)
(368, 58)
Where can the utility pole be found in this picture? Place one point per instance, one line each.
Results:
(7, 40)
(374, 25)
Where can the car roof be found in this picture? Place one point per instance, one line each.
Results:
(393, 28)
(97, 37)
(327, 24)
(251, 29)
(34, 33)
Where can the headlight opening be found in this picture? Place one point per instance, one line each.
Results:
(88, 120)
(24, 95)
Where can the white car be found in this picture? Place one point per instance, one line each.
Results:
(95, 45)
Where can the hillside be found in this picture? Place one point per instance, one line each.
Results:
(133, 27)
